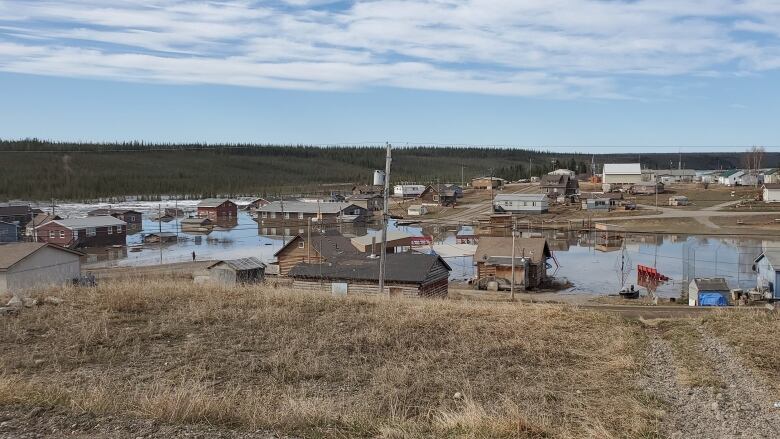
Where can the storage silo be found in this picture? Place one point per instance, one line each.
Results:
(379, 178)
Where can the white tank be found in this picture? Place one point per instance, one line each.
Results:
(379, 178)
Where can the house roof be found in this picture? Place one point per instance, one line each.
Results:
(331, 245)
(105, 211)
(772, 186)
(241, 264)
(17, 209)
(42, 218)
(399, 267)
(711, 284)
(394, 238)
(731, 172)
(196, 221)
(536, 248)
(441, 189)
(306, 207)
(555, 180)
(520, 197)
(12, 254)
(676, 172)
(212, 202)
(623, 168)
(602, 195)
(90, 221)
(364, 197)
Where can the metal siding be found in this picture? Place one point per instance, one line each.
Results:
(45, 267)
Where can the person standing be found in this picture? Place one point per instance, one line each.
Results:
(193, 256)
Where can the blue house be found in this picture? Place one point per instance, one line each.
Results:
(767, 268)
(9, 232)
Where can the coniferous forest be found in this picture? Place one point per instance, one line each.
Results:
(39, 170)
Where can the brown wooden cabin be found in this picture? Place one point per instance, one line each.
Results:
(215, 208)
(493, 259)
(95, 231)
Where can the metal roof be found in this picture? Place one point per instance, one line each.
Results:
(106, 211)
(520, 197)
(241, 264)
(400, 267)
(623, 168)
(212, 202)
(772, 185)
(307, 207)
(731, 172)
(676, 172)
(90, 221)
(11, 254)
(362, 242)
(488, 247)
(15, 209)
(711, 284)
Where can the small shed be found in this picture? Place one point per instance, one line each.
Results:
(27, 265)
(679, 200)
(767, 268)
(771, 193)
(599, 201)
(708, 291)
(233, 271)
(156, 238)
(196, 225)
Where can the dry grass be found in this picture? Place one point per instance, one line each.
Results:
(753, 335)
(694, 369)
(317, 366)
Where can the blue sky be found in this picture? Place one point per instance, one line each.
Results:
(674, 73)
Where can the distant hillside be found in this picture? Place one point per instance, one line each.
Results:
(39, 170)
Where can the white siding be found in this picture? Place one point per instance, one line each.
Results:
(45, 267)
(772, 195)
(622, 178)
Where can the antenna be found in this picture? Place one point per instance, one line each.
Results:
(385, 216)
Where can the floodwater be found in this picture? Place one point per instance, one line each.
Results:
(679, 257)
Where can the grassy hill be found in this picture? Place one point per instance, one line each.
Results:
(39, 170)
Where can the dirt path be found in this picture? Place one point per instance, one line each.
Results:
(740, 409)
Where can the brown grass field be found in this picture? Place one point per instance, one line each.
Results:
(253, 358)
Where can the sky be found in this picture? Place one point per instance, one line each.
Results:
(611, 75)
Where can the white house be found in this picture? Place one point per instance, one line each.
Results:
(772, 176)
(731, 177)
(771, 192)
(767, 268)
(521, 203)
(749, 179)
(408, 190)
(622, 173)
(27, 265)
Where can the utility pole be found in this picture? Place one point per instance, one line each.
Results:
(281, 206)
(385, 217)
(159, 222)
(514, 232)
(308, 245)
(462, 179)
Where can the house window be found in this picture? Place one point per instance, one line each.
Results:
(300, 215)
(110, 230)
(300, 231)
(301, 244)
(273, 214)
(62, 234)
(287, 215)
(273, 231)
(52, 234)
(131, 218)
(91, 231)
(286, 232)
(435, 198)
(264, 215)
(118, 229)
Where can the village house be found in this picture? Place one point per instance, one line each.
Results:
(318, 212)
(27, 265)
(329, 246)
(493, 259)
(559, 184)
(217, 209)
(771, 192)
(750, 179)
(367, 189)
(408, 190)
(370, 202)
(621, 174)
(94, 231)
(406, 275)
(731, 177)
(675, 175)
(196, 225)
(598, 201)
(38, 220)
(772, 176)
(767, 268)
(647, 188)
(16, 214)
(131, 217)
(9, 232)
(521, 203)
(486, 183)
(231, 272)
(708, 292)
(439, 195)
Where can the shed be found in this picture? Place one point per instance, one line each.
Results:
(708, 291)
(406, 274)
(622, 173)
(196, 225)
(28, 265)
(408, 190)
(600, 201)
(233, 271)
(679, 200)
(647, 188)
(158, 237)
(418, 210)
(493, 259)
(771, 192)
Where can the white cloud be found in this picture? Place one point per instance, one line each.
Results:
(553, 48)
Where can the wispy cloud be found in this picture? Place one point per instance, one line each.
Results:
(553, 48)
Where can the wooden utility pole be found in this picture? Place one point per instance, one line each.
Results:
(514, 230)
(308, 245)
(385, 217)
